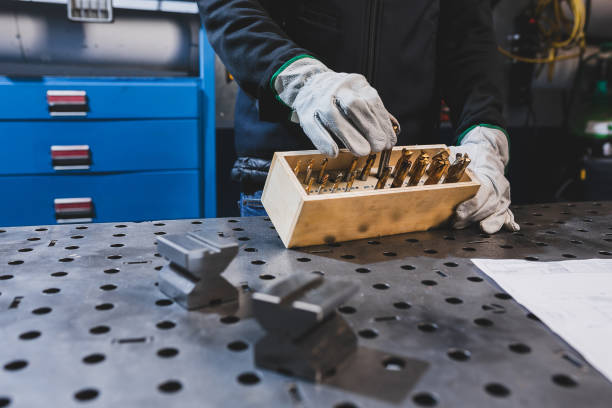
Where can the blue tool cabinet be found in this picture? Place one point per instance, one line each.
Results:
(138, 148)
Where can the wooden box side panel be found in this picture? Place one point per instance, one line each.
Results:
(372, 215)
(282, 197)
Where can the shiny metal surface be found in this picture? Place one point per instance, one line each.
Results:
(82, 320)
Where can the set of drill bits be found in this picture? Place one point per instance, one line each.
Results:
(411, 168)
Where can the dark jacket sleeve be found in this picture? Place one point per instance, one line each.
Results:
(252, 46)
(469, 67)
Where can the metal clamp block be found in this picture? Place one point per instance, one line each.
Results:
(193, 277)
(305, 337)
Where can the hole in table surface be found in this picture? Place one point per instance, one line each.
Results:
(564, 380)
(99, 329)
(347, 309)
(6, 277)
(248, 378)
(167, 352)
(105, 306)
(345, 405)
(16, 365)
(483, 322)
(401, 305)
(94, 358)
(163, 302)
(497, 390)
(368, 333)
(429, 282)
(453, 300)
(170, 386)
(427, 327)
(474, 278)
(381, 286)
(519, 348)
(111, 271)
(165, 325)
(86, 394)
(230, 319)
(408, 267)
(59, 274)
(258, 262)
(27, 249)
(30, 335)
(42, 310)
(51, 291)
(250, 249)
(458, 354)
(15, 262)
(425, 399)
(108, 287)
(267, 276)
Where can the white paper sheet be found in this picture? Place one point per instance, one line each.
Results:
(573, 298)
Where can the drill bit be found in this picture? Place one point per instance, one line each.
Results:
(323, 183)
(437, 170)
(309, 186)
(322, 171)
(452, 171)
(351, 168)
(308, 171)
(419, 169)
(337, 181)
(401, 174)
(365, 173)
(383, 178)
(459, 170)
(350, 181)
(398, 163)
(296, 169)
(385, 155)
(416, 161)
(442, 154)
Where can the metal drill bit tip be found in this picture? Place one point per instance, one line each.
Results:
(323, 183)
(296, 169)
(337, 181)
(351, 168)
(385, 155)
(324, 164)
(309, 186)
(350, 181)
(308, 171)
(382, 181)
(365, 173)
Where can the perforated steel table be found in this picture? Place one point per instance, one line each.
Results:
(82, 322)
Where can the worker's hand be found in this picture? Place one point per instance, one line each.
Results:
(488, 149)
(328, 103)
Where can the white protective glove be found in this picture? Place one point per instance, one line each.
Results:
(328, 103)
(488, 149)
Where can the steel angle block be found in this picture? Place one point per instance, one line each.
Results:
(193, 276)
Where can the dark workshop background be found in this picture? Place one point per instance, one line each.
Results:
(546, 109)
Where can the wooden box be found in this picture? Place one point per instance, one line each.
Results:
(303, 219)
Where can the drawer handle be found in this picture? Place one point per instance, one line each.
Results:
(73, 210)
(70, 157)
(67, 103)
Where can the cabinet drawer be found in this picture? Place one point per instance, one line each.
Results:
(115, 197)
(24, 98)
(112, 146)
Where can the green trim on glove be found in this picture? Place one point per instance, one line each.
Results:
(486, 125)
(281, 69)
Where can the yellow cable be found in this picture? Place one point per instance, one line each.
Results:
(576, 36)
